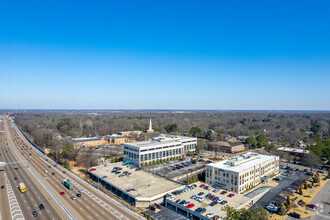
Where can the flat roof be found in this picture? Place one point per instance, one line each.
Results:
(235, 201)
(261, 158)
(85, 139)
(293, 150)
(162, 141)
(140, 184)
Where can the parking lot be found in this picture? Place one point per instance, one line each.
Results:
(176, 169)
(279, 193)
(204, 200)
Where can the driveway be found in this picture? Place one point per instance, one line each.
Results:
(322, 200)
(272, 194)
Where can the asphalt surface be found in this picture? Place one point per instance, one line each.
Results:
(272, 194)
(23, 204)
(322, 201)
(91, 205)
(4, 205)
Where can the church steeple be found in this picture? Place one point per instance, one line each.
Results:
(150, 127)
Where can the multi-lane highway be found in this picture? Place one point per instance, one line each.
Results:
(47, 178)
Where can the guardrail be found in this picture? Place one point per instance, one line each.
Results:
(39, 149)
(78, 178)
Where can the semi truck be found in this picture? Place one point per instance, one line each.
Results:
(67, 184)
(21, 187)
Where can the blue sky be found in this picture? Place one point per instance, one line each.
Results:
(165, 54)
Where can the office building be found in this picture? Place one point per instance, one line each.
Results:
(240, 173)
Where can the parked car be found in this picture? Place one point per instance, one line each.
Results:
(294, 215)
(312, 206)
(35, 213)
(223, 192)
(78, 195)
(62, 193)
(231, 195)
(190, 205)
(210, 215)
(3, 186)
(283, 196)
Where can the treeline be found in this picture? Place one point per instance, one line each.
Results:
(214, 126)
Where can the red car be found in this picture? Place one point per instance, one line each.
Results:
(312, 206)
(231, 195)
(212, 197)
(190, 205)
(202, 185)
(93, 169)
(62, 193)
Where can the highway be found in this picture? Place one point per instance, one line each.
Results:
(15, 204)
(91, 205)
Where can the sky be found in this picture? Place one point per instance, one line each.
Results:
(226, 55)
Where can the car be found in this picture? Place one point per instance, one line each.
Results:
(64, 171)
(35, 213)
(41, 206)
(55, 165)
(53, 173)
(45, 177)
(62, 193)
(81, 190)
(73, 197)
(182, 202)
(223, 192)
(171, 198)
(190, 205)
(15, 178)
(49, 166)
(3, 186)
(201, 193)
(46, 159)
(312, 206)
(210, 215)
(282, 196)
(213, 203)
(223, 202)
(202, 186)
(231, 195)
(294, 215)
(121, 175)
(46, 171)
(78, 195)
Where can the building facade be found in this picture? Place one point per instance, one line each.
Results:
(161, 147)
(240, 173)
(233, 147)
(87, 142)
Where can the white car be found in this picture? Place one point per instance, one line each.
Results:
(210, 215)
(45, 177)
(46, 171)
(283, 196)
(172, 198)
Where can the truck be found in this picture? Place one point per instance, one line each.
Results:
(21, 187)
(67, 184)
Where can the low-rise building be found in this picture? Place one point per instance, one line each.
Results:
(116, 139)
(161, 147)
(87, 142)
(233, 147)
(242, 172)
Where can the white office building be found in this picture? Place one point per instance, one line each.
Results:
(161, 147)
(242, 172)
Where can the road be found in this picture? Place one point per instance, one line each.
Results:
(21, 205)
(91, 205)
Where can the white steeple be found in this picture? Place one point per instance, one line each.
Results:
(150, 127)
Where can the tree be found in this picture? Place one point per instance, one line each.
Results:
(171, 128)
(194, 161)
(270, 148)
(196, 131)
(67, 165)
(315, 126)
(286, 144)
(300, 191)
(305, 185)
(316, 179)
(311, 160)
(262, 140)
(252, 142)
(67, 150)
(282, 210)
(257, 213)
